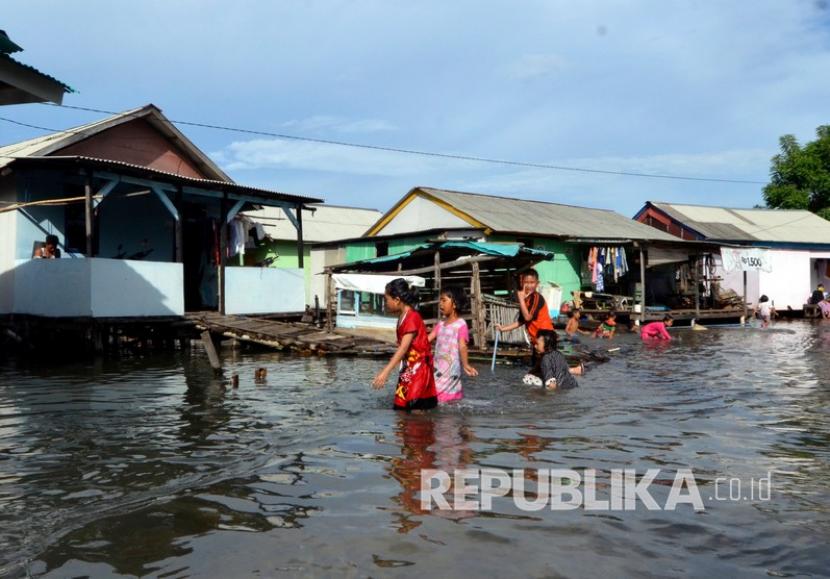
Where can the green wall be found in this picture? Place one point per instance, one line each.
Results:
(563, 270)
(357, 250)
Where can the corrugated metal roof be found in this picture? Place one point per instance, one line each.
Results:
(326, 223)
(755, 225)
(510, 215)
(53, 142)
(174, 178)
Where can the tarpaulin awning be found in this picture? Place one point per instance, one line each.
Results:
(375, 284)
(476, 247)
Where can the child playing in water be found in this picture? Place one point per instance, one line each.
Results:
(607, 328)
(416, 384)
(553, 367)
(657, 330)
(533, 311)
(450, 336)
(764, 311)
(572, 328)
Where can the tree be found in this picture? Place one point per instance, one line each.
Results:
(800, 176)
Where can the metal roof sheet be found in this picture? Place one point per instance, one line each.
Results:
(146, 172)
(510, 215)
(326, 223)
(756, 225)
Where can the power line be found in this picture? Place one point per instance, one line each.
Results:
(422, 153)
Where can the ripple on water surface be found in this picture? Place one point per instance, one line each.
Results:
(150, 466)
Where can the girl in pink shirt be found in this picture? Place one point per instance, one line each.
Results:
(657, 330)
(450, 336)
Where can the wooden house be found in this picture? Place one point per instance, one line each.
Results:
(145, 221)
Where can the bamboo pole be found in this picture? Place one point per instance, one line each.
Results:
(697, 286)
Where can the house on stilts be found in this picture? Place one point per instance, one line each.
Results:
(147, 224)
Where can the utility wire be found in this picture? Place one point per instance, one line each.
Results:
(421, 153)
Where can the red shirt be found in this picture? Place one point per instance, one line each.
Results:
(416, 380)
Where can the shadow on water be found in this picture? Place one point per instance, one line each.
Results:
(151, 466)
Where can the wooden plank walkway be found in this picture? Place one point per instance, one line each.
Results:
(292, 336)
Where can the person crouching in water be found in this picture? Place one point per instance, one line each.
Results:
(608, 327)
(416, 383)
(657, 330)
(533, 312)
(451, 336)
(552, 370)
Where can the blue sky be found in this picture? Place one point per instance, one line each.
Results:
(691, 88)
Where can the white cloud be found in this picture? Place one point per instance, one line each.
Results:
(319, 123)
(531, 66)
(320, 157)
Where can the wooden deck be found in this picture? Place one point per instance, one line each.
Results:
(290, 336)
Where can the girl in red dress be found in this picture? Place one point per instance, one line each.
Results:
(416, 383)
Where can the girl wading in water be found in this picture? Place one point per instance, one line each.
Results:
(416, 383)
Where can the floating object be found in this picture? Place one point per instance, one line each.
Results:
(235, 381)
(495, 349)
(699, 328)
(613, 350)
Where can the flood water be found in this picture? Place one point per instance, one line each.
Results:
(146, 466)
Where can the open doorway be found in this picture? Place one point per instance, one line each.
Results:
(200, 256)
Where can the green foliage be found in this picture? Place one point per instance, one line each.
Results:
(800, 176)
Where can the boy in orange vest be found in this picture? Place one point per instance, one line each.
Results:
(533, 314)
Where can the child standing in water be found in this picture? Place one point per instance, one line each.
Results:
(764, 311)
(416, 384)
(450, 336)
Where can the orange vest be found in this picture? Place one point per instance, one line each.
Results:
(541, 321)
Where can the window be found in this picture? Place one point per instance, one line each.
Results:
(348, 302)
(381, 248)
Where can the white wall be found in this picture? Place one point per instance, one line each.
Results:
(126, 288)
(788, 285)
(53, 287)
(320, 258)
(421, 214)
(98, 288)
(264, 290)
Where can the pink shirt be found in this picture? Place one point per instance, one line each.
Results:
(655, 330)
(448, 360)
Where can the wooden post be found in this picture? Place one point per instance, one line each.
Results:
(223, 250)
(179, 247)
(88, 214)
(746, 309)
(438, 273)
(479, 316)
(697, 287)
(300, 248)
(210, 348)
(642, 285)
(329, 303)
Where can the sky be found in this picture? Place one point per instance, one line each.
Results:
(689, 88)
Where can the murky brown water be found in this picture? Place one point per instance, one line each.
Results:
(146, 466)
